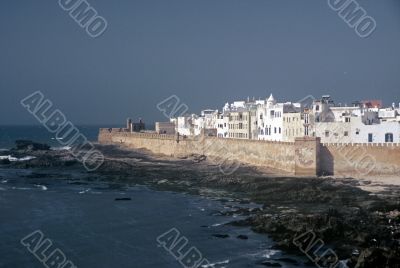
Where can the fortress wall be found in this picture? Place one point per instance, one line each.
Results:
(227, 152)
(304, 157)
(361, 159)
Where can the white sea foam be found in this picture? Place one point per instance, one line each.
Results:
(219, 224)
(61, 148)
(215, 263)
(84, 191)
(44, 188)
(269, 253)
(21, 188)
(15, 159)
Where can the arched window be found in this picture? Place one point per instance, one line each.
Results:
(389, 137)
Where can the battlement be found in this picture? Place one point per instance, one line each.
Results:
(304, 157)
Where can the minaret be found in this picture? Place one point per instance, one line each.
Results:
(271, 101)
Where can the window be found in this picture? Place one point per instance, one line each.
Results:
(347, 120)
(389, 137)
(317, 108)
(327, 133)
(346, 133)
(261, 116)
(370, 138)
(275, 130)
(280, 130)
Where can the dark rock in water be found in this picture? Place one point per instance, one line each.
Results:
(4, 161)
(31, 146)
(271, 264)
(309, 263)
(123, 199)
(221, 235)
(288, 260)
(204, 226)
(243, 237)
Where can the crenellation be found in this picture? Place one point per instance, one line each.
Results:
(306, 156)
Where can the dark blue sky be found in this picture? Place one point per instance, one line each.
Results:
(206, 52)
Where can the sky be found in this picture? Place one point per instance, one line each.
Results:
(206, 52)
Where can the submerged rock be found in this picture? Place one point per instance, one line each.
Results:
(271, 264)
(221, 235)
(5, 161)
(243, 237)
(123, 199)
(31, 146)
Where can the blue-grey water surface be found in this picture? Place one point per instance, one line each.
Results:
(93, 230)
(85, 222)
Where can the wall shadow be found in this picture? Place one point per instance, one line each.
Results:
(326, 162)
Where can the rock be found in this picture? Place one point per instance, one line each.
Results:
(243, 237)
(123, 199)
(271, 264)
(31, 146)
(5, 161)
(288, 260)
(221, 235)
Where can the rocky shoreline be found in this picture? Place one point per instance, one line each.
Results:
(361, 227)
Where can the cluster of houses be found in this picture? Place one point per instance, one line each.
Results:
(361, 122)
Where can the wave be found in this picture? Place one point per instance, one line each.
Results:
(16, 159)
(21, 188)
(215, 263)
(44, 188)
(61, 148)
(266, 253)
(84, 191)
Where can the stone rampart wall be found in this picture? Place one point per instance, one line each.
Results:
(305, 156)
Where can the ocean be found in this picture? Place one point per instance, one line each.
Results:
(107, 224)
(38, 133)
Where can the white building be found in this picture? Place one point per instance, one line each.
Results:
(184, 125)
(355, 124)
(222, 124)
(270, 118)
(364, 122)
